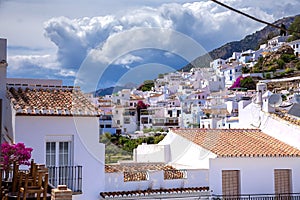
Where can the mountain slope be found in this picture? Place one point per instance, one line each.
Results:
(249, 42)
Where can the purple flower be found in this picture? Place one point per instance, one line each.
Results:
(15, 152)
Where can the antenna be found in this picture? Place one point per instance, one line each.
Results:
(297, 98)
(275, 100)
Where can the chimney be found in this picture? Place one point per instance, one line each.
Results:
(261, 88)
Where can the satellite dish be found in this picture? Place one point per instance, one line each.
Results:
(297, 98)
(275, 100)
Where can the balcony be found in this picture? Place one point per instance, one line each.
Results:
(66, 175)
(285, 196)
(175, 123)
(105, 118)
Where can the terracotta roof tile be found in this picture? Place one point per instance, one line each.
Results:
(138, 171)
(135, 167)
(50, 101)
(238, 142)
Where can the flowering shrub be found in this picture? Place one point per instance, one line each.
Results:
(15, 152)
(237, 82)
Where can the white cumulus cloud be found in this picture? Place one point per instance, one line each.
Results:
(207, 23)
(128, 59)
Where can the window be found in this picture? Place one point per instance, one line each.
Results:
(170, 113)
(64, 154)
(59, 153)
(282, 179)
(297, 45)
(230, 182)
(144, 120)
(178, 113)
(126, 120)
(51, 153)
(118, 122)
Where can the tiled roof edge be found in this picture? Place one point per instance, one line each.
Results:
(57, 115)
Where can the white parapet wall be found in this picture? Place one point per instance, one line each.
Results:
(155, 180)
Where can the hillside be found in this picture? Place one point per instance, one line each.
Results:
(111, 90)
(249, 42)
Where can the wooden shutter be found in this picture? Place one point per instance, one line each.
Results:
(231, 182)
(282, 179)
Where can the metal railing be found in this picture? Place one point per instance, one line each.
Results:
(281, 196)
(66, 175)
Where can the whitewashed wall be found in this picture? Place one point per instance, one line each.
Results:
(88, 152)
(252, 117)
(256, 174)
(280, 129)
(152, 153)
(175, 150)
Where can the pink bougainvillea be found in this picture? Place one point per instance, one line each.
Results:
(15, 152)
(237, 83)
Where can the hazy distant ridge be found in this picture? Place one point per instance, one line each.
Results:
(249, 42)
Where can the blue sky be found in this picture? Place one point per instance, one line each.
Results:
(55, 39)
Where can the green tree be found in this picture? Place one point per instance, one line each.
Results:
(294, 29)
(245, 70)
(248, 83)
(160, 76)
(268, 76)
(158, 138)
(147, 85)
(298, 65)
(280, 63)
(287, 57)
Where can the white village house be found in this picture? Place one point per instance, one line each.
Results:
(229, 161)
(61, 126)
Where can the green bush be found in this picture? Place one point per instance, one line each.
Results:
(289, 70)
(280, 63)
(245, 70)
(248, 83)
(287, 57)
(282, 74)
(271, 69)
(267, 75)
(298, 65)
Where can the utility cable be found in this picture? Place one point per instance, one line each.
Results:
(253, 18)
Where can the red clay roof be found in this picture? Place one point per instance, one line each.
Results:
(136, 167)
(51, 101)
(238, 142)
(138, 171)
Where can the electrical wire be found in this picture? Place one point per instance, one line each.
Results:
(253, 18)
